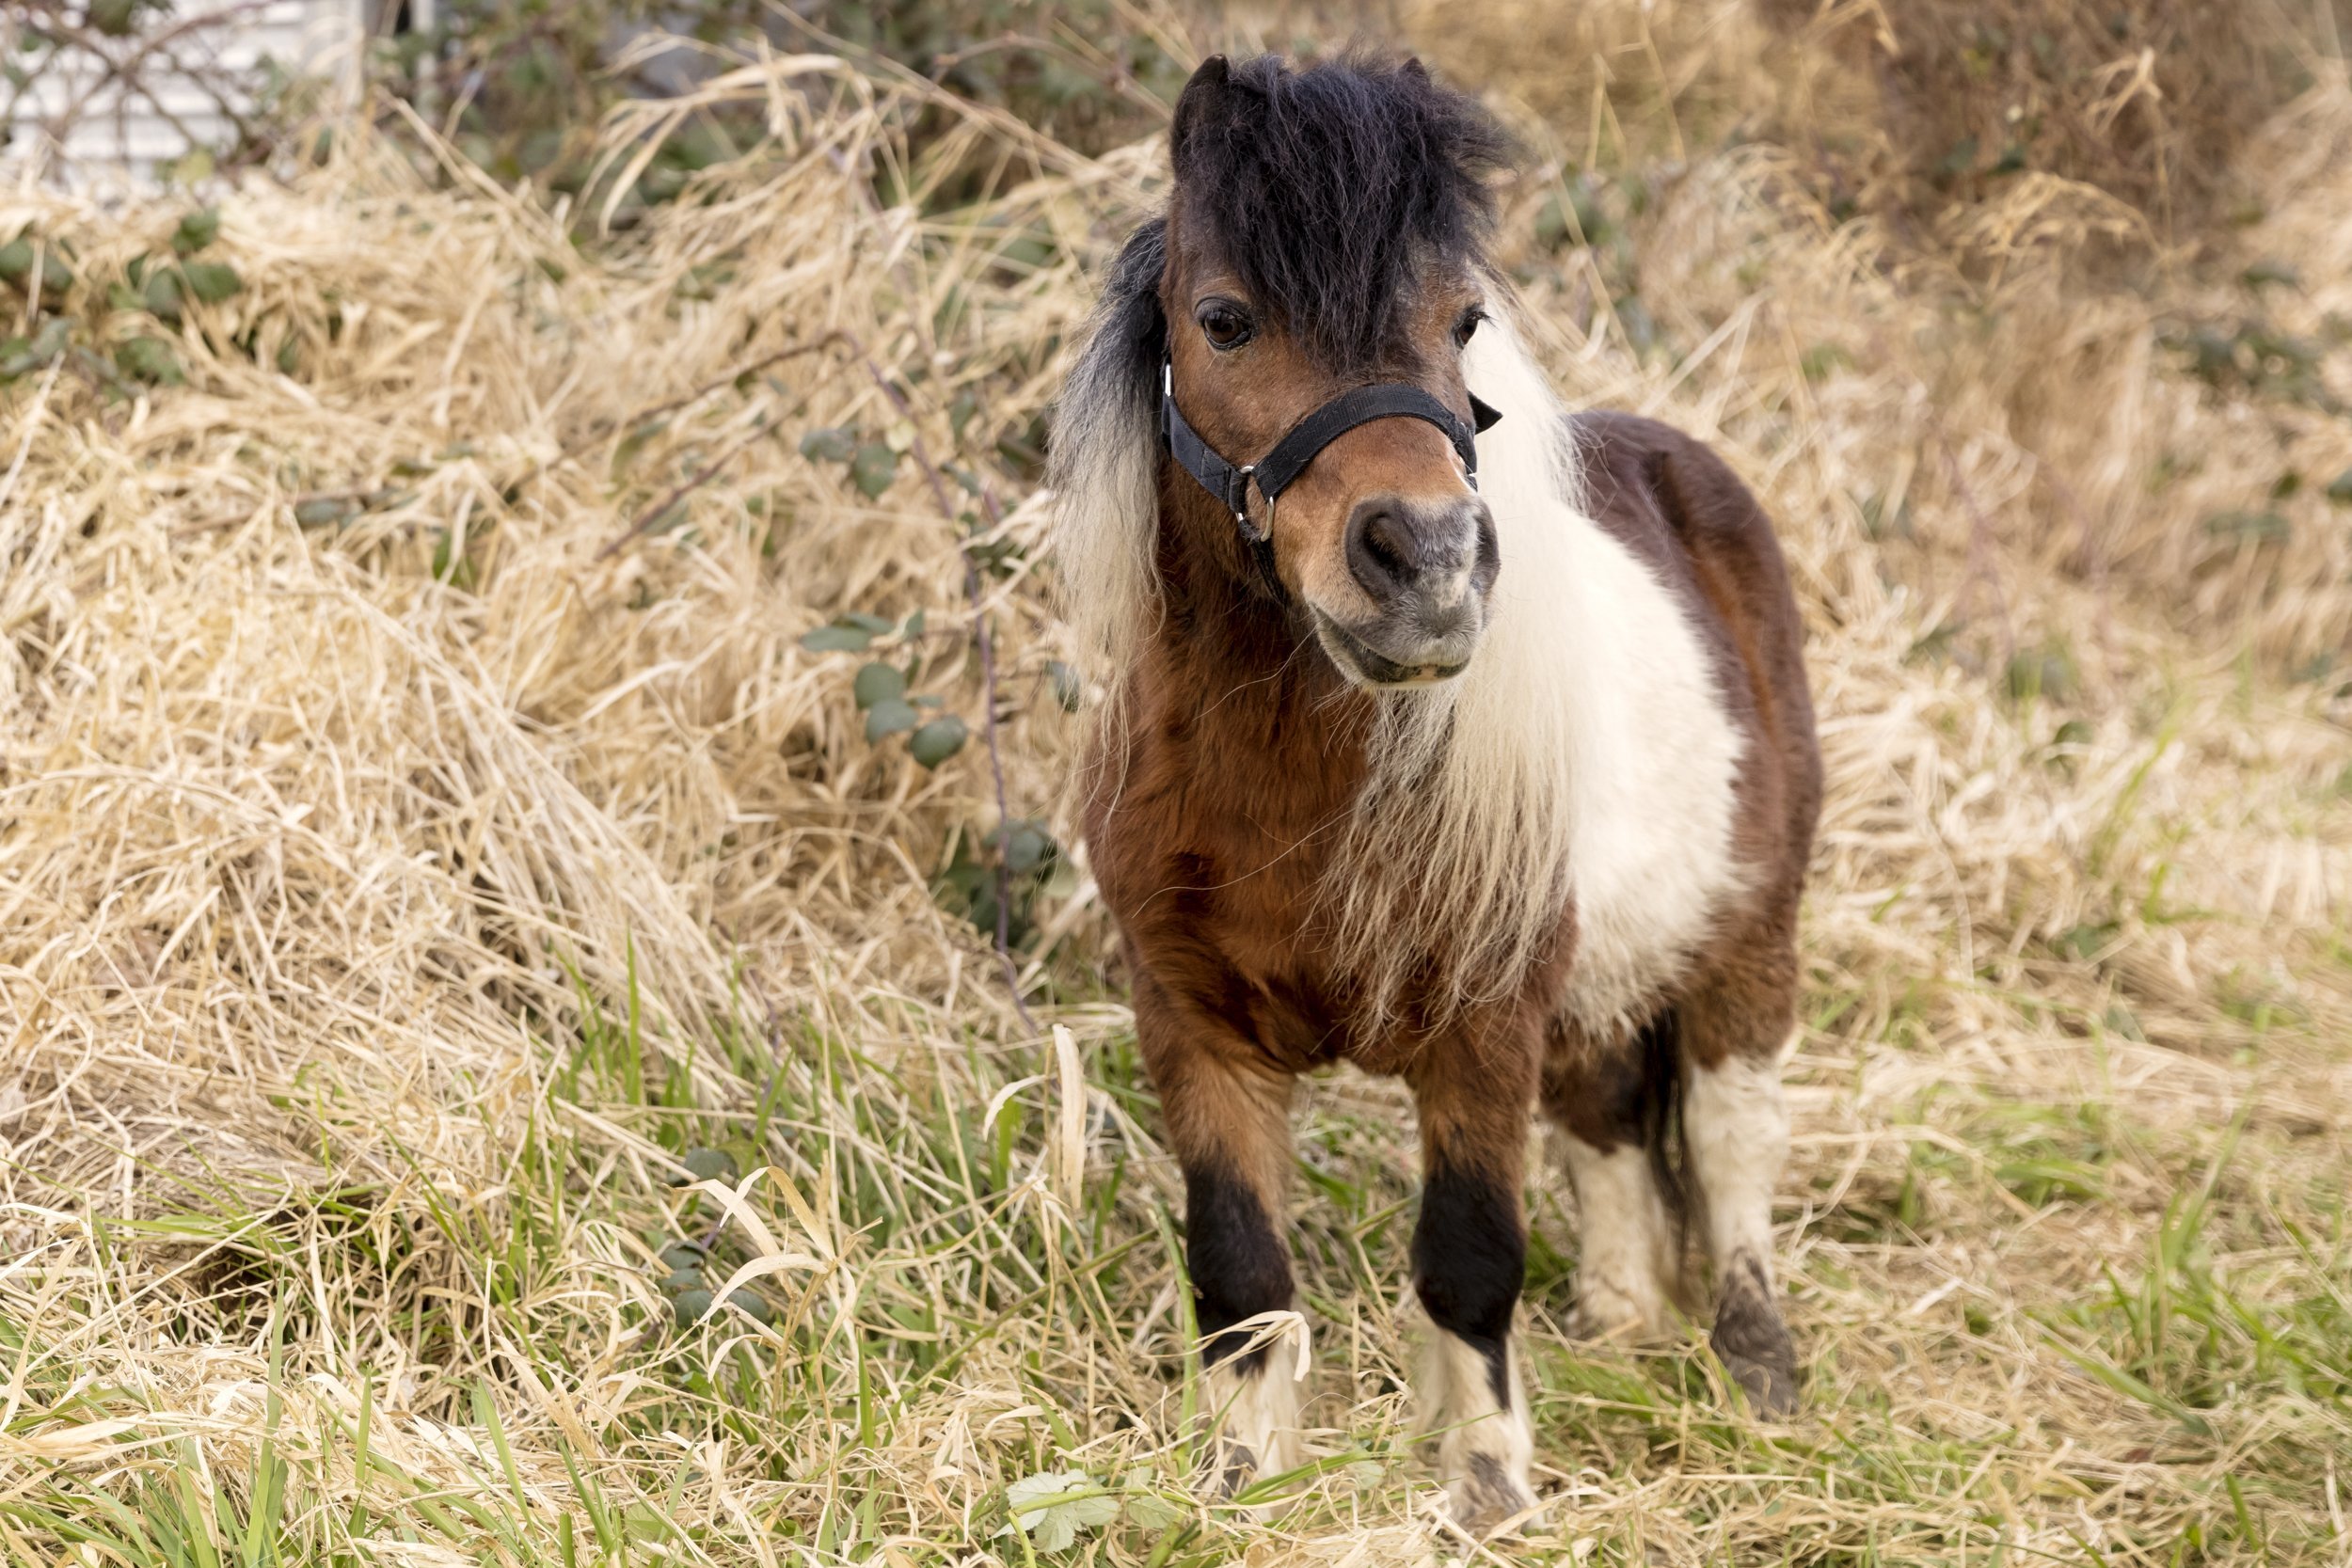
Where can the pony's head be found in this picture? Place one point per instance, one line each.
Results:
(1323, 238)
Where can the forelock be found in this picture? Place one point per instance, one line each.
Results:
(1325, 189)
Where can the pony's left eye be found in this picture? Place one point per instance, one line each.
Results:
(1467, 325)
(1225, 324)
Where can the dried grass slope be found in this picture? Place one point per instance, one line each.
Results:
(393, 885)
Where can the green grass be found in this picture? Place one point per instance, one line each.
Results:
(2210, 1362)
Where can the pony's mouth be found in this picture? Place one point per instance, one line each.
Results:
(1367, 666)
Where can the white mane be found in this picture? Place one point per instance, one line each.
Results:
(1584, 755)
(1103, 472)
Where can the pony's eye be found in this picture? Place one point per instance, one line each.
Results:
(1467, 325)
(1225, 324)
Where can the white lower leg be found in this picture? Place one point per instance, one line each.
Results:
(1737, 1129)
(1485, 1443)
(1254, 1401)
(1626, 1242)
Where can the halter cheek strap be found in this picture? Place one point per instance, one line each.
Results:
(1273, 473)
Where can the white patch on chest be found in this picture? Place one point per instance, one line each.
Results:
(1584, 757)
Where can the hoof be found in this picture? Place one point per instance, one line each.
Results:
(1770, 1381)
(1756, 1350)
(1485, 1494)
(1754, 1342)
(1233, 1468)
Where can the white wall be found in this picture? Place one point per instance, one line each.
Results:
(114, 133)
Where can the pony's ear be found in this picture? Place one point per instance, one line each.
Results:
(1197, 106)
(1414, 68)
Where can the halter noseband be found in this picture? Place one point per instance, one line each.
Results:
(1272, 474)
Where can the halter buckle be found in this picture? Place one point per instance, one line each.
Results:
(1237, 500)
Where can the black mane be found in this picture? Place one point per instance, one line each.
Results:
(1324, 186)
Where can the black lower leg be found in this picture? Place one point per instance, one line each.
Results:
(1238, 1263)
(1469, 1260)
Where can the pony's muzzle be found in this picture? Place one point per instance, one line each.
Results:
(1427, 567)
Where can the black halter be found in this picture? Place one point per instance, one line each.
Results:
(1229, 482)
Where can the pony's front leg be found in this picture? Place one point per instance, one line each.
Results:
(1227, 1116)
(1469, 1259)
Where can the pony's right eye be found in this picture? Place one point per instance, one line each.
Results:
(1225, 324)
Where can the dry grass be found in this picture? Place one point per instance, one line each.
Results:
(393, 886)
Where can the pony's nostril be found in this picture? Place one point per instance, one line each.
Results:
(1381, 551)
(1390, 542)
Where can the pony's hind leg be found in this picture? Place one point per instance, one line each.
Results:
(1469, 1259)
(1607, 1104)
(1736, 1136)
(1227, 1116)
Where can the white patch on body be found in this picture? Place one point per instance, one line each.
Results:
(1585, 753)
(1484, 1448)
(1626, 1242)
(1736, 1129)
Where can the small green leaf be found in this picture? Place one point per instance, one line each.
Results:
(682, 1280)
(2260, 528)
(197, 230)
(46, 344)
(893, 716)
(878, 683)
(691, 1306)
(2047, 673)
(16, 265)
(828, 444)
(873, 468)
(325, 511)
(707, 1164)
(837, 640)
(938, 741)
(210, 281)
(149, 359)
(1069, 690)
(2084, 944)
(1051, 1508)
(1026, 848)
(753, 1303)
(624, 450)
(684, 1255)
(865, 621)
(160, 294)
